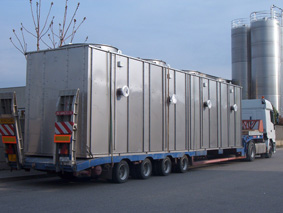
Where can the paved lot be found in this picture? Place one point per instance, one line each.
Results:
(226, 187)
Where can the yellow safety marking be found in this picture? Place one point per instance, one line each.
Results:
(9, 139)
(12, 157)
(7, 120)
(62, 138)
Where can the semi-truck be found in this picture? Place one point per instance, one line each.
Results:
(260, 112)
(92, 111)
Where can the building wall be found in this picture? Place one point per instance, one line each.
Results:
(279, 136)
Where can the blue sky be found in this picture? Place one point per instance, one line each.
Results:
(187, 34)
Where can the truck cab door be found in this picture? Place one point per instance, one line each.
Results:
(270, 127)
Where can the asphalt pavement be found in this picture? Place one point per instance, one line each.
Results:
(237, 186)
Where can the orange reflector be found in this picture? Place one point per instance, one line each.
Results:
(9, 139)
(62, 138)
(7, 120)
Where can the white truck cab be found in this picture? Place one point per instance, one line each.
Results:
(261, 109)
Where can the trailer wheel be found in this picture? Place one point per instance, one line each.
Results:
(120, 172)
(251, 151)
(182, 164)
(270, 148)
(164, 166)
(144, 169)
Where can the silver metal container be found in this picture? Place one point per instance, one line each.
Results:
(241, 55)
(164, 109)
(105, 47)
(266, 57)
(20, 91)
(157, 61)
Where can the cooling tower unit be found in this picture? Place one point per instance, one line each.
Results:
(241, 55)
(265, 57)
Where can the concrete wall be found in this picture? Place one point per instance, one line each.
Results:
(279, 136)
(20, 91)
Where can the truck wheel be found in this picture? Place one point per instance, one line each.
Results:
(182, 164)
(164, 166)
(120, 172)
(251, 151)
(269, 154)
(144, 169)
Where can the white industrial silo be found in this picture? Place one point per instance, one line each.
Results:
(241, 55)
(266, 56)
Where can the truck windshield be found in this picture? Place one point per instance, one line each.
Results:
(272, 116)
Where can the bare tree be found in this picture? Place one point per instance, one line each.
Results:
(42, 28)
(64, 28)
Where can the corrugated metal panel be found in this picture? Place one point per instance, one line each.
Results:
(47, 73)
(136, 106)
(142, 122)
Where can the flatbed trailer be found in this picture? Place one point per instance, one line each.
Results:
(92, 111)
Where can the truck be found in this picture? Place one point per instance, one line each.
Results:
(92, 111)
(258, 119)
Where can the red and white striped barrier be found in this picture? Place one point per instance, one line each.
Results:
(7, 129)
(64, 127)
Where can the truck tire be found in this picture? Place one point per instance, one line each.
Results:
(120, 172)
(144, 169)
(182, 164)
(270, 149)
(164, 166)
(251, 151)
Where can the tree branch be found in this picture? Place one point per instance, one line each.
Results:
(14, 31)
(27, 30)
(64, 23)
(43, 34)
(25, 44)
(72, 19)
(32, 14)
(46, 44)
(47, 17)
(16, 46)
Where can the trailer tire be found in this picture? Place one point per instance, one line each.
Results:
(251, 151)
(120, 172)
(270, 149)
(144, 169)
(182, 164)
(164, 166)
